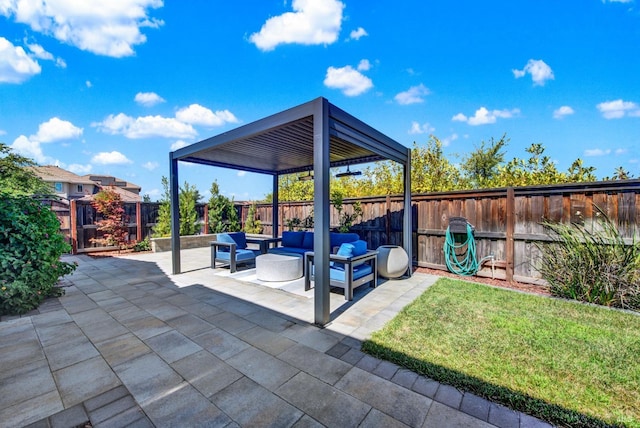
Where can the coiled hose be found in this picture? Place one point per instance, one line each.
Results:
(468, 265)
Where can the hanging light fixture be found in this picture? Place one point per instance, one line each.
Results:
(306, 177)
(348, 173)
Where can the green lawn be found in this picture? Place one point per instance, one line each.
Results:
(568, 363)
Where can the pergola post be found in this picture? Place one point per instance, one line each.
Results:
(407, 226)
(275, 207)
(321, 211)
(175, 214)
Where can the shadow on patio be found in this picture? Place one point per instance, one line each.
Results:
(131, 345)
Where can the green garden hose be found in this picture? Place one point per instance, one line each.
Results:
(468, 265)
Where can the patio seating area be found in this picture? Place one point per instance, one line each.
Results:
(132, 345)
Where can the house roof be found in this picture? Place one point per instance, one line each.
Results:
(53, 173)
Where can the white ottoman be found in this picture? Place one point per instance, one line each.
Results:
(277, 267)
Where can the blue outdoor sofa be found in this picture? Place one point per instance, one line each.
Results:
(351, 266)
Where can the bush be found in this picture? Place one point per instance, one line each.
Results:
(592, 264)
(30, 250)
(143, 245)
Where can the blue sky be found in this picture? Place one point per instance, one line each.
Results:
(112, 90)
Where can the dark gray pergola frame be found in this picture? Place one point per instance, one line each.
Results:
(314, 136)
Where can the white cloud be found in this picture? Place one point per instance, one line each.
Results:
(563, 111)
(52, 130)
(241, 173)
(56, 130)
(79, 169)
(30, 149)
(596, 152)
(178, 145)
(358, 33)
(312, 22)
(351, 82)
(145, 127)
(540, 72)
(148, 99)
(150, 165)
(617, 1)
(621, 151)
(618, 109)
(364, 65)
(110, 158)
(15, 65)
(110, 29)
(88, 83)
(413, 95)
(196, 114)
(448, 140)
(483, 116)
(425, 128)
(40, 53)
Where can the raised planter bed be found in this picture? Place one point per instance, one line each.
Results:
(159, 245)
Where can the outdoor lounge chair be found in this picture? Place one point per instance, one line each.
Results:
(346, 270)
(231, 249)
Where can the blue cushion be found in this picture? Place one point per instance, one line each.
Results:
(292, 239)
(288, 251)
(239, 238)
(307, 242)
(240, 255)
(338, 239)
(345, 250)
(358, 272)
(224, 237)
(359, 247)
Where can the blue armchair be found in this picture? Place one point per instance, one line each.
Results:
(231, 249)
(350, 268)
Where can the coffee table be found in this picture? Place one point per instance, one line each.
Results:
(278, 267)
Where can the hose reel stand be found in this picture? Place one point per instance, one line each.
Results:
(460, 248)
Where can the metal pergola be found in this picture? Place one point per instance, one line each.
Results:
(314, 136)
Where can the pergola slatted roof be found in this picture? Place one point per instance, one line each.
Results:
(287, 147)
(314, 136)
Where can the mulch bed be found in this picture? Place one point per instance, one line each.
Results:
(519, 286)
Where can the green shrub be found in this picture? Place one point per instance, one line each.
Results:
(592, 264)
(143, 245)
(30, 250)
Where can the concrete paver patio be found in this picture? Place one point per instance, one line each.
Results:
(131, 345)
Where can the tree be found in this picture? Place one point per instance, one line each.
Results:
(223, 216)
(252, 224)
(189, 197)
(431, 171)
(17, 177)
(163, 223)
(146, 198)
(108, 203)
(481, 167)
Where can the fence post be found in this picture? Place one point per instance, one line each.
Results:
(73, 225)
(138, 222)
(206, 219)
(511, 225)
(387, 224)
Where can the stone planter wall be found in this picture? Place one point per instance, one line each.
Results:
(159, 245)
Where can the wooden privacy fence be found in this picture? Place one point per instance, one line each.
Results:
(507, 221)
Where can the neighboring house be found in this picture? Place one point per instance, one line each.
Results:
(68, 185)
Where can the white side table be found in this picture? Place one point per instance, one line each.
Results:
(278, 267)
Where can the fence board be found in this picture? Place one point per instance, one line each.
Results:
(382, 219)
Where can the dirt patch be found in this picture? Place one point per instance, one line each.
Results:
(529, 288)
